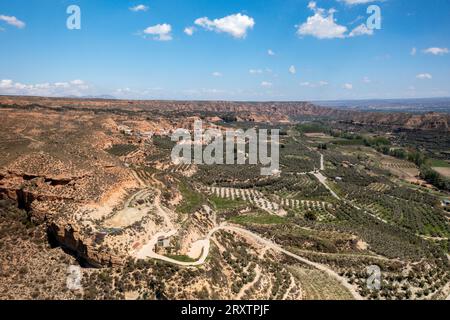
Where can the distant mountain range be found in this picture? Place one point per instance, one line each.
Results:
(274, 112)
(399, 105)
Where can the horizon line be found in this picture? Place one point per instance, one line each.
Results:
(105, 97)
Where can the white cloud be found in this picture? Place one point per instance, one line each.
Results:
(266, 84)
(321, 25)
(71, 88)
(11, 20)
(255, 71)
(270, 52)
(216, 74)
(6, 83)
(236, 24)
(292, 70)
(160, 32)
(413, 51)
(189, 31)
(313, 85)
(424, 76)
(436, 51)
(367, 80)
(139, 7)
(348, 86)
(361, 30)
(62, 84)
(312, 5)
(77, 82)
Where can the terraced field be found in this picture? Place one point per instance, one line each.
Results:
(316, 285)
(379, 187)
(249, 195)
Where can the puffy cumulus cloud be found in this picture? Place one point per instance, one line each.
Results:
(322, 24)
(424, 76)
(413, 51)
(361, 30)
(160, 32)
(13, 21)
(270, 52)
(189, 31)
(71, 88)
(348, 86)
(266, 84)
(139, 7)
(216, 74)
(292, 70)
(236, 25)
(436, 51)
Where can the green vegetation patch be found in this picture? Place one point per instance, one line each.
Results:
(312, 128)
(182, 258)
(260, 219)
(192, 200)
(350, 142)
(435, 178)
(164, 143)
(438, 163)
(121, 149)
(221, 204)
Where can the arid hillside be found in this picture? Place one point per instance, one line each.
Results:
(281, 112)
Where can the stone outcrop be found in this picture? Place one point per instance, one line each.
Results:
(31, 193)
(68, 236)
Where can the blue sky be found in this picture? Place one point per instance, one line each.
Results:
(321, 50)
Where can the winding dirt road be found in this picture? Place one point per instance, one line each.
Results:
(147, 251)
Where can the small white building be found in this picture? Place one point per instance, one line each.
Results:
(125, 130)
(163, 242)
